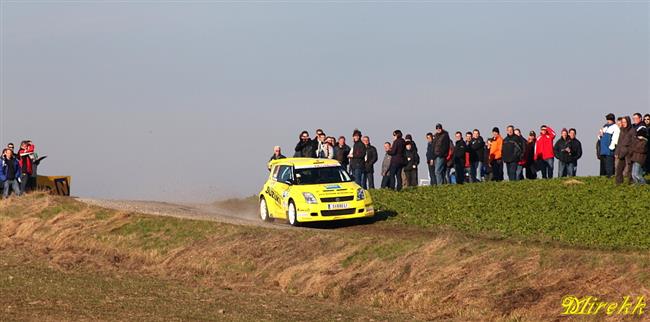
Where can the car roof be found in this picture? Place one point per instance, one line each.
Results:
(305, 162)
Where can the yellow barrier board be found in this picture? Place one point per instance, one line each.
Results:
(58, 185)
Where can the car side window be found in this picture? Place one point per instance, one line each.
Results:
(275, 172)
(285, 174)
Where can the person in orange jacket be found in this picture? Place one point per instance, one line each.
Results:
(544, 155)
(496, 160)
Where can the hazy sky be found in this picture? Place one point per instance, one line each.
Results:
(185, 100)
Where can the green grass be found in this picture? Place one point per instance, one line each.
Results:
(163, 233)
(65, 206)
(595, 214)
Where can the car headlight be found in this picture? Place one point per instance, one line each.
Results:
(361, 194)
(309, 198)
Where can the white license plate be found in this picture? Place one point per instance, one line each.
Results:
(338, 206)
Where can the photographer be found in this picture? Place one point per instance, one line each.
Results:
(306, 147)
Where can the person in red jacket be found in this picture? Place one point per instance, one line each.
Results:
(26, 161)
(544, 155)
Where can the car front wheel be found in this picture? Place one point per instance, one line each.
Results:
(264, 211)
(292, 214)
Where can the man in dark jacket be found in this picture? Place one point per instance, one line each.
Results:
(341, 152)
(623, 153)
(371, 159)
(529, 156)
(306, 147)
(357, 159)
(397, 161)
(476, 156)
(10, 173)
(512, 151)
(277, 154)
(408, 138)
(575, 153)
(412, 162)
(440, 152)
(460, 148)
(562, 152)
(430, 160)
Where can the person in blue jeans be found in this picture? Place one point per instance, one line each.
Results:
(397, 161)
(639, 155)
(358, 159)
(441, 145)
(10, 173)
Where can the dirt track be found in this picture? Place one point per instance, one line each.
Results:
(245, 214)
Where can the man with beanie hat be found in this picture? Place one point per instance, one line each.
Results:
(608, 139)
(441, 145)
(358, 159)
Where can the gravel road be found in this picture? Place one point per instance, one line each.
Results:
(247, 216)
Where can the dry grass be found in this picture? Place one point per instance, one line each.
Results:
(432, 276)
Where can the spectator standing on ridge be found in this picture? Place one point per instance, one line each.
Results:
(476, 156)
(608, 138)
(512, 151)
(26, 161)
(306, 147)
(441, 148)
(412, 162)
(639, 154)
(529, 156)
(496, 159)
(341, 152)
(277, 154)
(637, 121)
(562, 152)
(10, 173)
(10, 146)
(646, 120)
(576, 153)
(385, 167)
(408, 138)
(431, 159)
(544, 155)
(371, 159)
(623, 151)
(324, 150)
(357, 159)
(397, 161)
(460, 150)
(522, 162)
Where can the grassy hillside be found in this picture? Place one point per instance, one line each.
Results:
(589, 212)
(62, 259)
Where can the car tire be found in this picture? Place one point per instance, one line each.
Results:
(292, 214)
(264, 211)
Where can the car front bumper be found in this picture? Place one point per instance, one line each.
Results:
(322, 212)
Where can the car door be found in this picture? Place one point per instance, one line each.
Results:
(281, 187)
(269, 193)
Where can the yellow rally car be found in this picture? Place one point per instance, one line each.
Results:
(304, 190)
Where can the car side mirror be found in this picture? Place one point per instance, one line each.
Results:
(290, 182)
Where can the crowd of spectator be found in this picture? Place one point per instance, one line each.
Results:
(18, 172)
(622, 147)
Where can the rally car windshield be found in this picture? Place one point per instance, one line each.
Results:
(321, 175)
